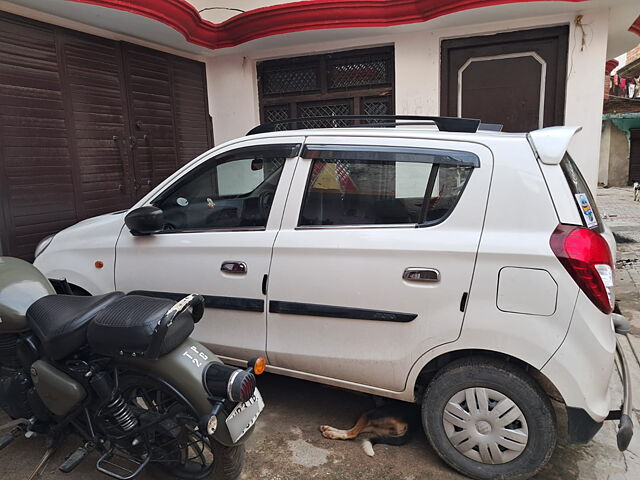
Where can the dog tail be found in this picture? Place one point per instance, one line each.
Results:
(367, 446)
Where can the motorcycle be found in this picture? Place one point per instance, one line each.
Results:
(121, 372)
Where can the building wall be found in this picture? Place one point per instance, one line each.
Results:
(615, 151)
(234, 99)
(618, 157)
(633, 54)
(614, 156)
(605, 146)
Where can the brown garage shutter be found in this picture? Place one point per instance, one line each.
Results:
(150, 103)
(87, 126)
(37, 183)
(96, 112)
(190, 113)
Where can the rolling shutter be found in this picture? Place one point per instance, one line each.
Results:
(153, 142)
(94, 95)
(37, 180)
(193, 127)
(87, 126)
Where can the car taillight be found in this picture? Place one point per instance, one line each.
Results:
(586, 256)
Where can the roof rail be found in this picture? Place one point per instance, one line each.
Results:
(444, 124)
(490, 127)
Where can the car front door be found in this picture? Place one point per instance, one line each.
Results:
(375, 257)
(220, 221)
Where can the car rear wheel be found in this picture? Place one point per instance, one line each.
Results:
(488, 419)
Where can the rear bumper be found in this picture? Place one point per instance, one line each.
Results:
(582, 428)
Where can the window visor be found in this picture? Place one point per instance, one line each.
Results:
(387, 153)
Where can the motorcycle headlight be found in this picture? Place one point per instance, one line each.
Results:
(42, 246)
(224, 381)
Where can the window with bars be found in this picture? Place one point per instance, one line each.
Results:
(357, 82)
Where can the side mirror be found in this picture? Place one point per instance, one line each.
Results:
(145, 220)
(257, 164)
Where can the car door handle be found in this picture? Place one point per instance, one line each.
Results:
(234, 267)
(417, 274)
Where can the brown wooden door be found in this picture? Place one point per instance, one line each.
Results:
(87, 126)
(193, 129)
(36, 168)
(516, 79)
(634, 156)
(97, 117)
(152, 141)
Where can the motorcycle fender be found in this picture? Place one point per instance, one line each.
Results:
(182, 369)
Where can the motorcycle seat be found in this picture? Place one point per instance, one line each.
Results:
(127, 327)
(60, 321)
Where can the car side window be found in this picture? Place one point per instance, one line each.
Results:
(232, 190)
(351, 185)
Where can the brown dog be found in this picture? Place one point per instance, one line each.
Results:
(388, 424)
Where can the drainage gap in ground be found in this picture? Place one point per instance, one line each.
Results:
(622, 238)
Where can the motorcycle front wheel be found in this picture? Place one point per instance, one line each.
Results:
(178, 447)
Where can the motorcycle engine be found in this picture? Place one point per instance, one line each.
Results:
(14, 382)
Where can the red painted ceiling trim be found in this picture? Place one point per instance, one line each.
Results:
(610, 65)
(295, 16)
(635, 27)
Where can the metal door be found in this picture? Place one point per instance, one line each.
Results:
(516, 79)
(360, 303)
(226, 262)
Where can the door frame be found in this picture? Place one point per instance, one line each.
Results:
(561, 33)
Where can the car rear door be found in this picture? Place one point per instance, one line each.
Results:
(221, 219)
(375, 256)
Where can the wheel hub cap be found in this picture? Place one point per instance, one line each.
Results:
(485, 425)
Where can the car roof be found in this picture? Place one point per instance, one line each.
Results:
(549, 144)
(389, 132)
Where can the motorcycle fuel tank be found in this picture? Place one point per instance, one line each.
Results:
(57, 390)
(21, 284)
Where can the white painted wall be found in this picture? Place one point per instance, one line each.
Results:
(585, 92)
(233, 84)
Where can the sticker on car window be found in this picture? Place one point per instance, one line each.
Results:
(587, 211)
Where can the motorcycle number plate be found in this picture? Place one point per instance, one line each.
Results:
(244, 415)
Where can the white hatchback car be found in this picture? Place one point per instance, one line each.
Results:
(462, 269)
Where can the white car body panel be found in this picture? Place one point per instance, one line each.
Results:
(368, 262)
(186, 262)
(73, 252)
(582, 368)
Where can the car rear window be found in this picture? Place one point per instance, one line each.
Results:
(359, 185)
(581, 194)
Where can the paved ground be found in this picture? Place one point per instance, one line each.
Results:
(287, 443)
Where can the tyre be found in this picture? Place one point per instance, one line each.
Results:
(489, 420)
(177, 446)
